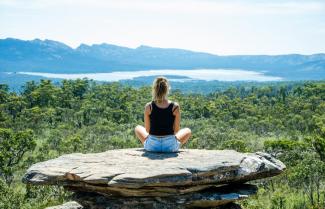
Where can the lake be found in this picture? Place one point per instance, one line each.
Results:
(198, 74)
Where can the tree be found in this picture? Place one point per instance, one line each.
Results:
(238, 145)
(13, 146)
(71, 144)
(4, 90)
(289, 151)
(309, 173)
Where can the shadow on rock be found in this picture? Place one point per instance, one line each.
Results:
(159, 155)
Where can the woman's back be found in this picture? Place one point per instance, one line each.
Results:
(161, 120)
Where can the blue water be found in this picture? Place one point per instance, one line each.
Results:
(199, 74)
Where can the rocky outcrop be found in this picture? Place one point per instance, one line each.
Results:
(136, 178)
(211, 197)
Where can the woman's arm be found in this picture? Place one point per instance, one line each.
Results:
(177, 121)
(147, 112)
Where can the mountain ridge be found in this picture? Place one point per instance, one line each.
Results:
(147, 46)
(56, 57)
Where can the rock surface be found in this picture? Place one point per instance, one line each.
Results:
(135, 168)
(207, 198)
(134, 177)
(75, 205)
(68, 205)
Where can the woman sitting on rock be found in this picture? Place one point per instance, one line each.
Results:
(162, 117)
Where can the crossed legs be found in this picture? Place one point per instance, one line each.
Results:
(141, 133)
(182, 135)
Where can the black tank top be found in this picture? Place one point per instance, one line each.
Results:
(161, 120)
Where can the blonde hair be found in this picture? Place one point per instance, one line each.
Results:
(160, 89)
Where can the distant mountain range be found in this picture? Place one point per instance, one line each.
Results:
(56, 57)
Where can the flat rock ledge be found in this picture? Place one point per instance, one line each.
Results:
(136, 178)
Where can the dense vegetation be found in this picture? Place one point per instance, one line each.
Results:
(46, 120)
(16, 81)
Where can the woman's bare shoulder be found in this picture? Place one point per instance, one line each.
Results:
(176, 106)
(148, 107)
(148, 104)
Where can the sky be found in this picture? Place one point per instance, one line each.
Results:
(223, 27)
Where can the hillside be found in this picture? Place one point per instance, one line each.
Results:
(53, 56)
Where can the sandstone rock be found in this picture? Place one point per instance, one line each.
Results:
(208, 198)
(68, 205)
(134, 178)
(75, 205)
(125, 170)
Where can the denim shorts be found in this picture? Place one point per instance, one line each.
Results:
(162, 144)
